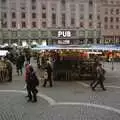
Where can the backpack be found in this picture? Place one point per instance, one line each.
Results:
(35, 79)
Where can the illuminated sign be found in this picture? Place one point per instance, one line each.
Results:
(65, 42)
(64, 34)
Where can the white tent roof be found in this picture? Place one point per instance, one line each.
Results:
(3, 52)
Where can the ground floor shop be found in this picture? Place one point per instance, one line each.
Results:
(51, 36)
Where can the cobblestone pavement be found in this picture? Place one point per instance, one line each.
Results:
(65, 101)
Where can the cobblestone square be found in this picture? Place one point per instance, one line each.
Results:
(72, 100)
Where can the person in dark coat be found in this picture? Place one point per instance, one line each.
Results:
(10, 69)
(49, 73)
(32, 83)
(22, 58)
(28, 56)
(19, 64)
(100, 77)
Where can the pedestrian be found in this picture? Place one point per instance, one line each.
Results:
(94, 73)
(32, 83)
(100, 77)
(9, 68)
(48, 75)
(19, 64)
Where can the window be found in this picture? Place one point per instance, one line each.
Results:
(105, 26)
(81, 24)
(33, 24)
(106, 19)
(23, 25)
(33, 7)
(112, 2)
(117, 19)
(117, 26)
(117, 11)
(81, 16)
(111, 26)
(13, 24)
(90, 24)
(13, 15)
(72, 21)
(43, 24)
(53, 18)
(106, 11)
(90, 16)
(111, 11)
(33, 1)
(4, 15)
(43, 6)
(3, 1)
(23, 15)
(43, 15)
(81, 7)
(4, 25)
(90, 2)
(33, 15)
(111, 19)
(63, 19)
(99, 25)
(98, 17)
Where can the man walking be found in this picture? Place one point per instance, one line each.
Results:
(32, 82)
(100, 77)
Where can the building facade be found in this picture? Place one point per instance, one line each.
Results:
(51, 21)
(110, 19)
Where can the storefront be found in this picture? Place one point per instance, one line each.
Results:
(50, 36)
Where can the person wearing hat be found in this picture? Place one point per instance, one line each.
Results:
(100, 77)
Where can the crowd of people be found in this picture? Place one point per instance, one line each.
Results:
(21, 60)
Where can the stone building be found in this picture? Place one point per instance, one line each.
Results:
(110, 19)
(51, 21)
